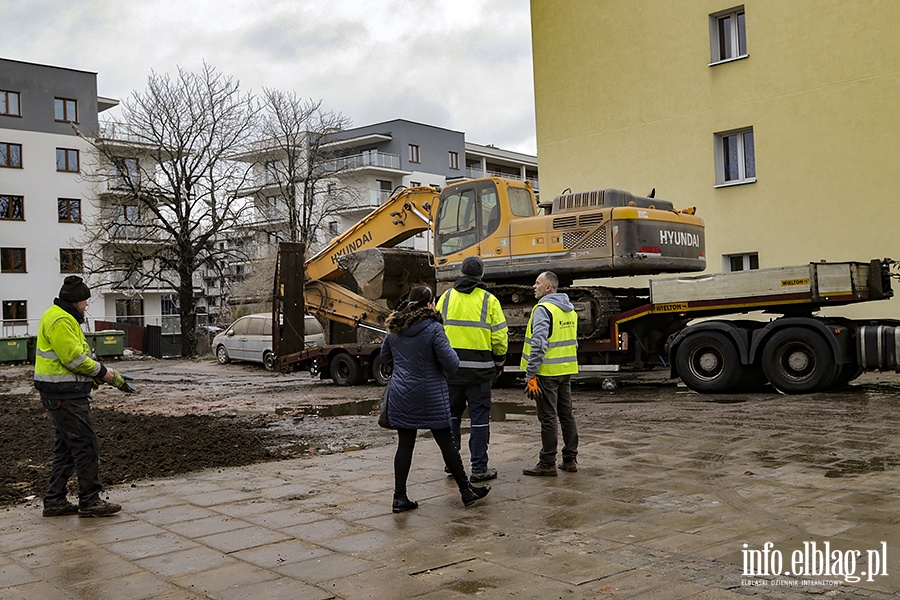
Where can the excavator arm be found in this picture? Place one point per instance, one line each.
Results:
(402, 216)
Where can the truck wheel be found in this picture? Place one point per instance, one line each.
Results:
(798, 361)
(708, 363)
(381, 373)
(222, 355)
(269, 360)
(345, 369)
(847, 373)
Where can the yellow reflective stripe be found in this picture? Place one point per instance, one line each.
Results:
(76, 363)
(476, 364)
(61, 378)
(562, 344)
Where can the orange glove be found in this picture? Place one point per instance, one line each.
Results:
(533, 389)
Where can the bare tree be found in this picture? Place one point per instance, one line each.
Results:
(305, 167)
(170, 186)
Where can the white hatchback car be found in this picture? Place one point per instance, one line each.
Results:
(250, 338)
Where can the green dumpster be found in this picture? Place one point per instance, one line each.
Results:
(109, 343)
(14, 349)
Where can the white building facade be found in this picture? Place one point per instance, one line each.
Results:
(44, 197)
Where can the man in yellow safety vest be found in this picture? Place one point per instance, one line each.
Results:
(64, 375)
(476, 328)
(549, 359)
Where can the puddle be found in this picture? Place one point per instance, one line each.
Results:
(850, 467)
(500, 411)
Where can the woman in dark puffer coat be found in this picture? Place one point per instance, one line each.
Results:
(417, 348)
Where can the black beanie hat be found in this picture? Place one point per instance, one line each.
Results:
(74, 289)
(473, 267)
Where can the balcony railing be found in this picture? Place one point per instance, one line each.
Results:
(366, 159)
(479, 173)
(121, 132)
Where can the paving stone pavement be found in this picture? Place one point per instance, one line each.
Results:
(647, 516)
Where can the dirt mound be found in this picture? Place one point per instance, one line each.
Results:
(131, 446)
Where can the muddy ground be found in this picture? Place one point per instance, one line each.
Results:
(196, 414)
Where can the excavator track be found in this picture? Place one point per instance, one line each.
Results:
(594, 305)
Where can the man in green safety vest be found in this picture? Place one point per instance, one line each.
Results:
(476, 328)
(65, 374)
(549, 359)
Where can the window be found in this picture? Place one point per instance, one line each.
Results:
(171, 321)
(15, 312)
(740, 262)
(9, 104)
(273, 170)
(454, 160)
(334, 228)
(11, 155)
(67, 160)
(456, 222)
(126, 213)
(521, 202)
(414, 154)
(130, 311)
(12, 260)
(66, 110)
(12, 208)
(128, 174)
(71, 260)
(69, 210)
(735, 157)
(727, 35)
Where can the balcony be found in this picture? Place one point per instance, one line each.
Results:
(479, 173)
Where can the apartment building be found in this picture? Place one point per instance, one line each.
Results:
(365, 164)
(777, 120)
(44, 197)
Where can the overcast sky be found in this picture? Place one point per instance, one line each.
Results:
(460, 64)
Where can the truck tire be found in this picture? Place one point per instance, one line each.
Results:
(798, 361)
(269, 360)
(345, 369)
(381, 373)
(708, 363)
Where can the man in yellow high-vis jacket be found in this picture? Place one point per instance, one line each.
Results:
(476, 328)
(549, 359)
(65, 374)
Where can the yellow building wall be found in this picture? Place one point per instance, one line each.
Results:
(625, 98)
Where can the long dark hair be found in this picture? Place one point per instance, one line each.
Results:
(418, 297)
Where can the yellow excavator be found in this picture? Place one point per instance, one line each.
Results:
(360, 276)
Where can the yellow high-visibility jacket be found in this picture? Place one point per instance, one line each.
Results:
(477, 330)
(63, 367)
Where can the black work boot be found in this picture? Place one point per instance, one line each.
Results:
(403, 504)
(98, 508)
(60, 509)
(471, 494)
(541, 470)
(570, 465)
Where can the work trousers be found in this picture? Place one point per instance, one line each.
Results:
(477, 398)
(406, 442)
(75, 448)
(554, 411)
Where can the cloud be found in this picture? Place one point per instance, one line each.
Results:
(464, 65)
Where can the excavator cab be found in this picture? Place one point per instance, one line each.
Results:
(472, 219)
